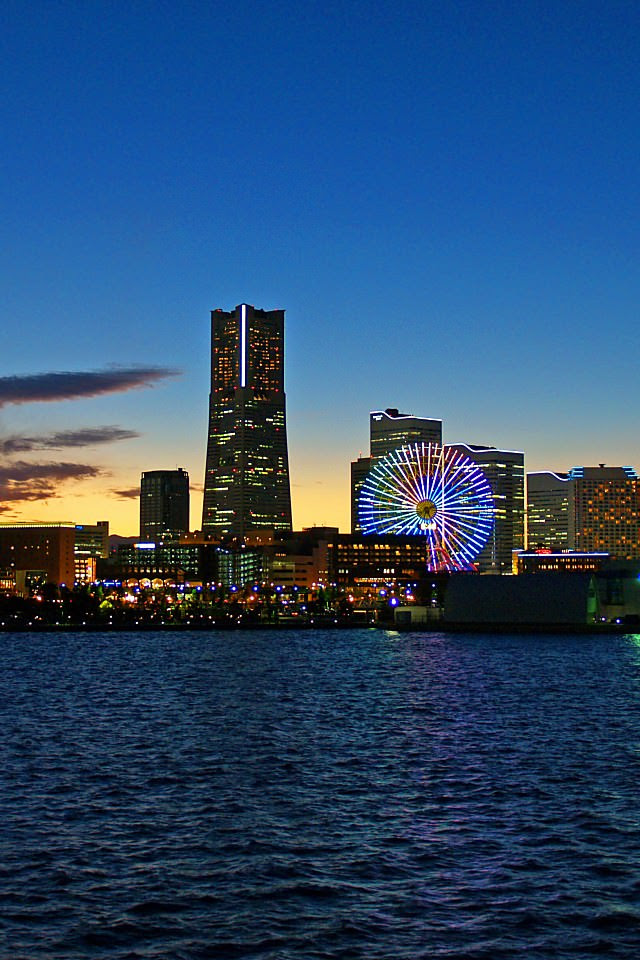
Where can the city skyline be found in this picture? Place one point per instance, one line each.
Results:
(442, 200)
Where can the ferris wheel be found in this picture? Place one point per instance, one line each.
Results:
(427, 490)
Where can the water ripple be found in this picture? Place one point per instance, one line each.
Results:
(317, 796)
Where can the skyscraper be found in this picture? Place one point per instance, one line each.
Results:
(548, 510)
(604, 510)
(164, 503)
(388, 430)
(246, 482)
(504, 470)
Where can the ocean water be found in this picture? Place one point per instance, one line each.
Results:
(339, 794)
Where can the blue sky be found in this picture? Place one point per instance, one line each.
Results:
(443, 197)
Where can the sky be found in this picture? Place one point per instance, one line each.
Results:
(442, 196)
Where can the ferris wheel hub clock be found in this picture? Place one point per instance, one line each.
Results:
(426, 509)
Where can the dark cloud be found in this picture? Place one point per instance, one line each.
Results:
(131, 494)
(49, 387)
(39, 481)
(85, 437)
(21, 470)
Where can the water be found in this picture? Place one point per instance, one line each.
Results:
(348, 794)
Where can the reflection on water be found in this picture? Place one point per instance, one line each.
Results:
(318, 795)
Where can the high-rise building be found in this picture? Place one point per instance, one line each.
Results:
(588, 509)
(604, 510)
(388, 430)
(92, 544)
(164, 504)
(247, 470)
(504, 470)
(548, 510)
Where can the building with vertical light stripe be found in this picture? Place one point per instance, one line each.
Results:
(246, 483)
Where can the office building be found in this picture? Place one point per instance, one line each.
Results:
(247, 468)
(32, 554)
(91, 545)
(164, 504)
(548, 510)
(604, 511)
(504, 470)
(363, 563)
(388, 431)
(588, 510)
(179, 561)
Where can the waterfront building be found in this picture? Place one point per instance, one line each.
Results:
(179, 561)
(362, 563)
(91, 545)
(504, 471)
(567, 561)
(388, 431)
(36, 553)
(240, 566)
(278, 559)
(301, 559)
(604, 510)
(572, 598)
(548, 510)
(541, 599)
(588, 509)
(247, 468)
(164, 503)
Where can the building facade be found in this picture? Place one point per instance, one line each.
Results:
(174, 562)
(362, 563)
(164, 503)
(36, 553)
(588, 509)
(504, 470)
(91, 545)
(548, 510)
(604, 511)
(247, 468)
(388, 431)
(566, 561)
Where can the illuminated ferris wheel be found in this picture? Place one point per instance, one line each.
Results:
(427, 490)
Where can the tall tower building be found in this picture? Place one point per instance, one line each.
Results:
(388, 430)
(504, 470)
(164, 503)
(246, 482)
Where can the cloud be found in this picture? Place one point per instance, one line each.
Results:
(85, 437)
(22, 481)
(51, 387)
(21, 470)
(131, 494)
